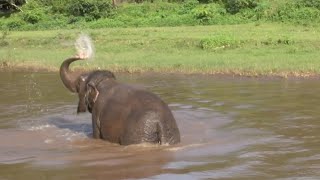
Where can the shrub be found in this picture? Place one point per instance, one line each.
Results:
(208, 14)
(57, 6)
(90, 9)
(262, 10)
(32, 17)
(188, 6)
(306, 13)
(309, 3)
(234, 6)
(33, 12)
(203, 14)
(293, 13)
(14, 24)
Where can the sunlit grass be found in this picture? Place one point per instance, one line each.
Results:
(266, 49)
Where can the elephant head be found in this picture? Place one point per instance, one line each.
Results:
(77, 82)
(91, 92)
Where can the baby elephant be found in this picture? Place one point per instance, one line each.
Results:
(121, 113)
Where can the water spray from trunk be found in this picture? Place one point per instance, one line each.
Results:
(84, 51)
(84, 46)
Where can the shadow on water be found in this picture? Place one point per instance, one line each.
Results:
(64, 123)
(234, 128)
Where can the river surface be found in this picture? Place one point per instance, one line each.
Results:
(231, 128)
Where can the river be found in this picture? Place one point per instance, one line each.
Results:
(231, 128)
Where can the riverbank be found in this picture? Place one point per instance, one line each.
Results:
(248, 49)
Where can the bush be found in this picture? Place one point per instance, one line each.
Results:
(57, 6)
(234, 6)
(206, 14)
(262, 10)
(203, 14)
(90, 9)
(188, 6)
(14, 24)
(33, 12)
(309, 3)
(296, 14)
(32, 17)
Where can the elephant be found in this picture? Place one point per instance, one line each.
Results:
(121, 113)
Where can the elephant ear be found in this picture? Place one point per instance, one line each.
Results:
(92, 95)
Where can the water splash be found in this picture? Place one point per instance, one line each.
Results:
(31, 106)
(84, 47)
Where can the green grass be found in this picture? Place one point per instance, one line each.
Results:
(248, 49)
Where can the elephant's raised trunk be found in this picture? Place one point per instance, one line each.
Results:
(69, 78)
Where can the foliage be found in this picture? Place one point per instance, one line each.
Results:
(57, 6)
(294, 12)
(234, 6)
(207, 13)
(54, 14)
(14, 24)
(32, 17)
(188, 6)
(90, 9)
(309, 3)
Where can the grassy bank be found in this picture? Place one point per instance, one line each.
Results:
(248, 49)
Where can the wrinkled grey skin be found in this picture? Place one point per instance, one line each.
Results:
(121, 113)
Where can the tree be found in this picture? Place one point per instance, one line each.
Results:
(11, 5)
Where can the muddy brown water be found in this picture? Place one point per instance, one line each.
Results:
(231, 128)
